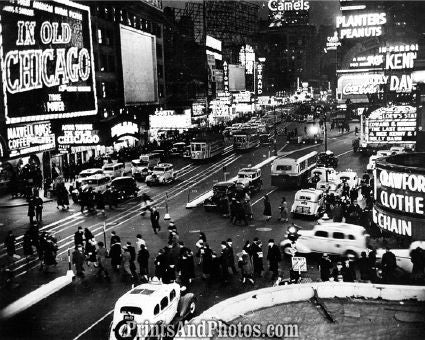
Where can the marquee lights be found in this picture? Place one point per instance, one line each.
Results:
(78, 134)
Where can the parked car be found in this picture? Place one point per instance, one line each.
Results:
(148, 305)
(163, 173)
(327, 159)
(308, 202)
(124, 187)
(332, 237)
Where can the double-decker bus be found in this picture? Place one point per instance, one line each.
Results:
(206, 145)
(245, 139)
(294, 169)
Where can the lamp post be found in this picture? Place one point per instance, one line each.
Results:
(167, 215)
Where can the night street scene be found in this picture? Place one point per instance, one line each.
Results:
(210, 169)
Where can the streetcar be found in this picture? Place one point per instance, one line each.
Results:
(206, 146)
(294, 169)
(245, 139)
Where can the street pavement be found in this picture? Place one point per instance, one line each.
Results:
(84, 309)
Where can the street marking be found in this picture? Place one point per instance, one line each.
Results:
(263, 196)
(344, 153)
(263, 229)
(194, 231)
(93, 325)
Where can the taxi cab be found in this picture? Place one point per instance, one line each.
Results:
(149, 304)
(252, 177)
(335, 238)
(98, 182)
(163, 173)
(308, 202)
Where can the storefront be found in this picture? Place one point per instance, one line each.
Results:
(400, 195)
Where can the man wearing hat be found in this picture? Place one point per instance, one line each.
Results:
(274, 257)
(325, 266)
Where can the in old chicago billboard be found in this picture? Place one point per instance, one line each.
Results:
(46, 60)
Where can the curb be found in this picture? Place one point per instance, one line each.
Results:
(6, 206)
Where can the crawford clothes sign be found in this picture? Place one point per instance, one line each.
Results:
(46, 60)
(395, 124)
(25, 139)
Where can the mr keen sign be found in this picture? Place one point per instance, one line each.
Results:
(46, 60)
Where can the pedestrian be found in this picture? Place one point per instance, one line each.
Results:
(224, 262)
(325, 266)
(9, 243)
(145, 204)
(126, 259)
(114, 238)
(132, 252)
(142, 259)
(79, 237)
(88, 234)
(27, 244)
(389, 265)
(247, 206)
(160, 264)
(267, 208)
(257, 257)
(115, 253)
(231, 255)
(348, 271)
(417, 256)
(364, 267)
(90, 252)
(38, 202)
(101, 255)
(337, 211)
(200, 246)
(372, 265)
(31, 209)
(283, 210)
(62, 196)
(100, 202)
(139, 241)
(274, 257)
(207, 261)
(239, 214)
(155, 220)
(78, 259)
(186, 265)
(337, 272)
(245, 263)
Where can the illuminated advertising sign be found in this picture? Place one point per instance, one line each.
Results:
(226, 77)
(247, 58)
(46, 60)
(333, 42)
(198, 108)
(392, 125)
(25, 139)
(360, 25)
(169, 120)
(259, 79)
(78, 134)
(288, 5)
(213, 43)
(242, 97)
(124, 128)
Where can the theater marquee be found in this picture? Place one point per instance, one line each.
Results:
(46, 61)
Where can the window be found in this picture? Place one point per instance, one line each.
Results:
(283, 168)
(156, 310)
(321, 233)
(338, 235)
(172, 295)
(131, 309)
(302, 166)
(351, 237)
(164, 303)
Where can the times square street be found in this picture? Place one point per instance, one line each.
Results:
(86, 309)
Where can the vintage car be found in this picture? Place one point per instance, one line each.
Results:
(335, 238)
(220, 191)
(163, 173)
(379, 154)
(114, 169)
(98, 182)
(149, 305)
(329, 187)
(87, 173)
(395, 150)
(327, 159)
(142, 167)
(178, 148)
(320, 173)
(252, 177)
(308, 202)
(124, 187)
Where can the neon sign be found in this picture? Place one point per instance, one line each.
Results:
(360, 25)
(78, 134)
(288, 5)
(124, 128)
(47, 61)
(259, 78)
(226, 77)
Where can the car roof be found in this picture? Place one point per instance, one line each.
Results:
(147, 293)
(123, 177)
(248, 170)
(222, 184)
(164, 165)
(345, 227)
(309, 191)
(96, 176)
(88, 171)
(113, 164)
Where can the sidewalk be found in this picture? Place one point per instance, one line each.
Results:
(6, 201)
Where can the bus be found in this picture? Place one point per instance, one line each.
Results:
(294, 169)
(206, 146)
(245, 139)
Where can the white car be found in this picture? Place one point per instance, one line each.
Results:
(348, 176)
(308, 202)
(371, 165)
(98, 182)
(163, 173)
(150, 304)
(321, 172)
(330, 187)
(330, 237)
(395, 150)
(87, 173)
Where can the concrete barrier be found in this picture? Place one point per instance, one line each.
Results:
(237, 306)
(36, 296)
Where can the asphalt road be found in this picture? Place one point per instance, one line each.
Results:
(84, 310)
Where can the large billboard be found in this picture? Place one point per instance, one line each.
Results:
(46, 61)
(138, 53)
(237, 78)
